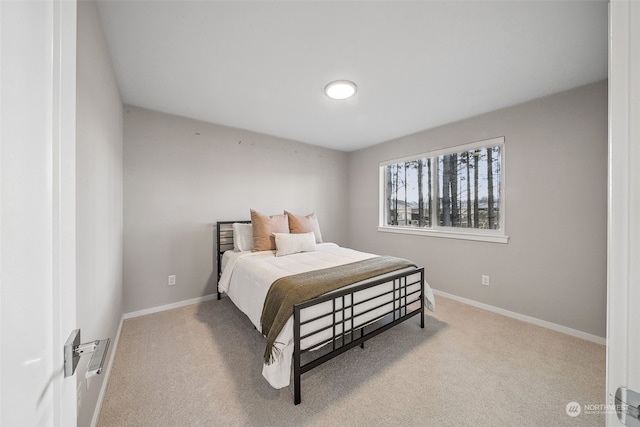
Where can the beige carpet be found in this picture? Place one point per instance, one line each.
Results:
(201, 366)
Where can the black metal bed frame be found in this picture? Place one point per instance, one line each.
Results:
(344, 328)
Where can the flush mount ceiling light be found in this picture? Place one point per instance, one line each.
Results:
(340, 89)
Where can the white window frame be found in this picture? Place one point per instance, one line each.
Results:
(436, 230)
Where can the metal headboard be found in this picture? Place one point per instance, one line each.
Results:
(224, 242)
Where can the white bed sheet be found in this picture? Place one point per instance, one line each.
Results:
(246, 279)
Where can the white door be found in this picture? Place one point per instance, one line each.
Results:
(37, 217)
(623, 326)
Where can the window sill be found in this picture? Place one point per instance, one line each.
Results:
(481, 237)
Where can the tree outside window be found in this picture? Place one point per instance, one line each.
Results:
(458, 189)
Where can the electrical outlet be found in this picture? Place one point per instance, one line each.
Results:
(172, 280)
(485, 280)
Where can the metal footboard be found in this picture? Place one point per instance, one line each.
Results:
(345, 330)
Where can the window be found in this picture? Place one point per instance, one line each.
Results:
(457, 193)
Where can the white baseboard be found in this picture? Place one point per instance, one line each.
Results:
(107, 372)
(528, 319)
(168, 306)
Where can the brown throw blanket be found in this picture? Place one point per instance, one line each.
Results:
(290, 290)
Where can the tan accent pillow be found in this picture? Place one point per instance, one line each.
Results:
(304, 224)
(263, 228)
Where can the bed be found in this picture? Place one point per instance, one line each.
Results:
(335, 321)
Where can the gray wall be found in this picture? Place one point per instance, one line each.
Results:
(554, 266)
(182, 175)
(99, 192)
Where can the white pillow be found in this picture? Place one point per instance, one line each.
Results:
(242, 237)
(287, 244)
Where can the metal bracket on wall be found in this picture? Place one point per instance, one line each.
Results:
(73, 350)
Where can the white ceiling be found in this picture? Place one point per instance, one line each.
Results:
(262, 65)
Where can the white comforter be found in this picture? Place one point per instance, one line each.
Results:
(246, 279)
